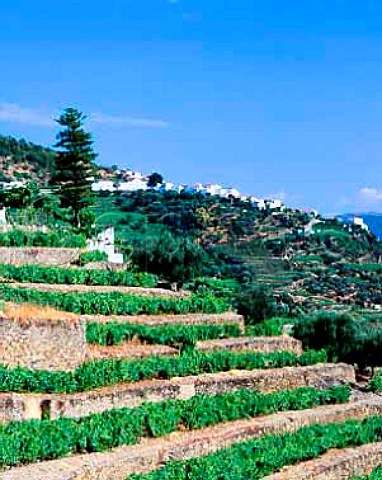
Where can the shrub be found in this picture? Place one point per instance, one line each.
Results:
(256, 303)
(94, 256)
(345, 338)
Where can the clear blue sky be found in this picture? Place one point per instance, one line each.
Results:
(273, 97)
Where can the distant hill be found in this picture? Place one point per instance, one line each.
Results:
(23, 160)
(374, 222)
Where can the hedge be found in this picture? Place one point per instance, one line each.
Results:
(258, 458)
(37, 440)
(104, 373)
(77, 276)
(114, 333)
(114, 303)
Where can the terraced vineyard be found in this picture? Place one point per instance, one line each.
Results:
(153, 385)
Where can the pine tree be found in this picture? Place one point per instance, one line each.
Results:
(74, 166)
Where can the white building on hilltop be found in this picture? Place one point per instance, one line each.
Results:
(132, 186)
(103, 186)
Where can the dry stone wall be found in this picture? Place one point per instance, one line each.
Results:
(132, 395)
(335, 464)
(39, 256)
(42, 344)
(151, 454)
(255, 344)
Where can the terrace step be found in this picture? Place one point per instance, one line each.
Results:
(16, 406)
(335, 464)
(283, 343)
(152, 454)
(127, 350)
(151, 292)
(157, 320)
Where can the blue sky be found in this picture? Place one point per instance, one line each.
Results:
(275, 98)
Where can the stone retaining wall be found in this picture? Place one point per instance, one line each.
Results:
(42, 344)
(151, 454)
(131, 395)
(335, 464)
(39, 256)
(283, 343)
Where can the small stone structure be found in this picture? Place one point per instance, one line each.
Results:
(42, 344)
(105, 242)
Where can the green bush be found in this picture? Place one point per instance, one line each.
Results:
(111, 372)
(95, 256)
(256, 303)
(32, 441)
(255, 459)
(272, 327)
(345, 338)
(59, 239)
(183, 336)
(77, 276)
(114, 303)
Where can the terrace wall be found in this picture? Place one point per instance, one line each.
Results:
(42, 344)
(131, 395)
(39, 255)
(151, 454)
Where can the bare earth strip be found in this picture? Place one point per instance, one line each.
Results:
(335, 465)
(152, 292)
(16, 406)
(154, 453)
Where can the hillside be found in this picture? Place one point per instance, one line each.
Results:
(313, 259)
(23, 160)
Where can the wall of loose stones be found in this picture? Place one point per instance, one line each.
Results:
(15, 406)
(39, 256)
(42, 344)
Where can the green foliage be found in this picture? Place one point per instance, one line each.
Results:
(374, 475)
(77, 276)
(94, 256)
(32, 441)
(23, 152)
(271, 327)
(345, 338)
(74, 163)
(220, 287)
(154, 179)
(256, 303)
(111, 372)
(175, 258)
(255, 459)
(184, 336)
(22, 238)
(114, 303)
(375, 383)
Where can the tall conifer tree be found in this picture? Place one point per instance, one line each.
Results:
(75, 166)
